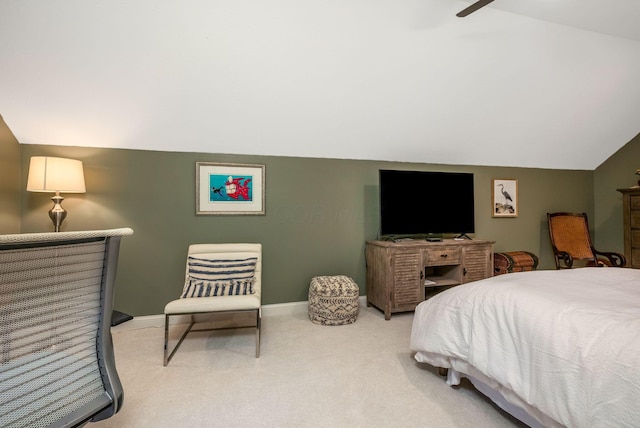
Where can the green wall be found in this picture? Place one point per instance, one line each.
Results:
(9, 181)
(319, 213)
(617, 172)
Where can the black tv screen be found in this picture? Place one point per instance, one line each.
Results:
(425, 202)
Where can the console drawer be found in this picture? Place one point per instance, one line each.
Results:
(442, 256)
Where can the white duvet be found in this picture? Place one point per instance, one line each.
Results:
(564, 345)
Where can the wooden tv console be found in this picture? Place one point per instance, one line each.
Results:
(400, 275)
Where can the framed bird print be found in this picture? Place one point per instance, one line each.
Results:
(229, 189)
(504, 197)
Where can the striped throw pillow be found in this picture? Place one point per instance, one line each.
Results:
(208, 277)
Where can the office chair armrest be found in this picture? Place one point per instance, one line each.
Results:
(613, 259)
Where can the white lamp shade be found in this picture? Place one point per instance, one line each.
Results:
(49, 174)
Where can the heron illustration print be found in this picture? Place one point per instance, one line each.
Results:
(504, 196)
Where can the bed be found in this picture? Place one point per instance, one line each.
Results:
(553, 348)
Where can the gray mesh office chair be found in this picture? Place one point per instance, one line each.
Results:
(57, 367)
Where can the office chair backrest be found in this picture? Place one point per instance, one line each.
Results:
(57, 366)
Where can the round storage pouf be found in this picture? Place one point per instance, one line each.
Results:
(333, 300)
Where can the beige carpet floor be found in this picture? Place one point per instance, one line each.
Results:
(359, 375)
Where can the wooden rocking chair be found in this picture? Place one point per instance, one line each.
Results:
(571, 241)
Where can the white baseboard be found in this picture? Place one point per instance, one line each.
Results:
(157, 321)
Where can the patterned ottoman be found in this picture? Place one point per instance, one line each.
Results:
(516, 261)
(333, 300)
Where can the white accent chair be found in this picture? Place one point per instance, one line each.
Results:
(218, 304)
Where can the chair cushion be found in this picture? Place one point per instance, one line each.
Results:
(219, 277)
(212, 304)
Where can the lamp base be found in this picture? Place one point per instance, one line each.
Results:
(57, 214)
(118, 317)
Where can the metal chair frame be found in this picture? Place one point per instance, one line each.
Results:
(169, 355)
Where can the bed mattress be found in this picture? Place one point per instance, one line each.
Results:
(563, 345)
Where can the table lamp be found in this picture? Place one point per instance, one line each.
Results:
(51, 174)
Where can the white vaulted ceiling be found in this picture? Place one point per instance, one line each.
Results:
(531, 83)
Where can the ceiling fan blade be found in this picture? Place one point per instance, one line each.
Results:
(477, 5)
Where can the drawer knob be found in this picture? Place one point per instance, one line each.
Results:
(443, 255)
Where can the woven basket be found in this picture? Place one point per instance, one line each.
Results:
(516, 261)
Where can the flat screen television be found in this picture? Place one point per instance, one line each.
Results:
(426, 203)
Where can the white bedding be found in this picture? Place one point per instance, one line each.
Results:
(564, 345)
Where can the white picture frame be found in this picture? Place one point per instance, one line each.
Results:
(230, 189)
(504, 197)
